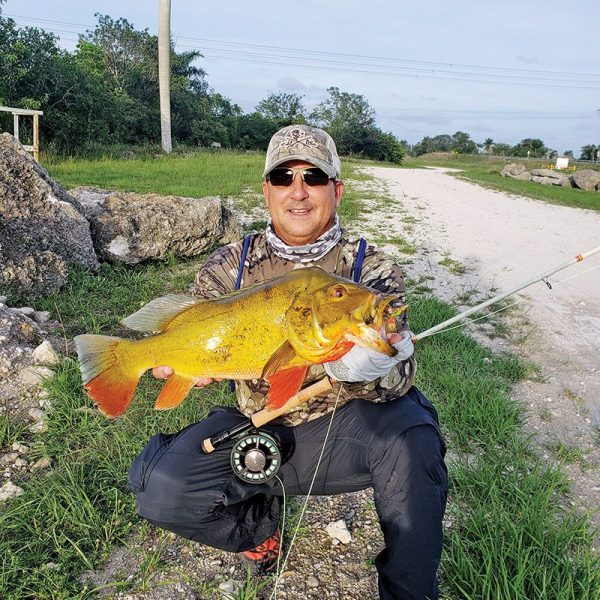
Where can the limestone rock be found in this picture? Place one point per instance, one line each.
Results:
(43, 230)
(9, 491)
(130, 228)
(35, 375)
(42, 463)
(45, 354)
(545, 180)
(229, 588)
(339, 531)
(513, 170)
(547, 173)
(586, 179)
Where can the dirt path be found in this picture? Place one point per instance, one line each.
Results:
(501, 241)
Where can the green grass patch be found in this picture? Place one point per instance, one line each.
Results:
(194, 175)
(11, 430)
(454, 266)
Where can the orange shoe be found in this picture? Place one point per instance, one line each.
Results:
(264, 557)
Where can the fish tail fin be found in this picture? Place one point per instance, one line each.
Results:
(108, 377)
(174, 391)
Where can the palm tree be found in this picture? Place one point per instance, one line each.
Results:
(164, 71)
(487, 145)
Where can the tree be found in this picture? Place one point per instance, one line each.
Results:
(254, 131)
(589, 152)
(568, 154)
(501, 149)
(488, 145)
(531, 147)
(439, 143)
(463, 144)
(284, 109)
(347, 117)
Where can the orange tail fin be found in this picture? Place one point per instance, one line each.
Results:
(109, 380)
(284, 384)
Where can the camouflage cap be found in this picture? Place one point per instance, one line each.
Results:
(302, 142)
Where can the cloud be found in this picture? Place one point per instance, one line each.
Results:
(290, 84)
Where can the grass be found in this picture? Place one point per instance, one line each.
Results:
(510, 537)
(11, 430)
(486, 172)
(194, 175)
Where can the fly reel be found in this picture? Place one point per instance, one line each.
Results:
(256, 457)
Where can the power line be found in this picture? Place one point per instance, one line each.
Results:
(406, 62)
(266, 61)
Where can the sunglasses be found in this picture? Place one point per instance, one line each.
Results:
(313, 176)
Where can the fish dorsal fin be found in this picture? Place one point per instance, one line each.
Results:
(158, 313)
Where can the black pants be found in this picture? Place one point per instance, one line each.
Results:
(394, 447)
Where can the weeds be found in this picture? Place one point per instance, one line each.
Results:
(454, 266)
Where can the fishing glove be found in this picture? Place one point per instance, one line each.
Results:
(364, 364)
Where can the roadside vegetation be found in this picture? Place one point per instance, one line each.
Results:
(510, 532)
(486, 172)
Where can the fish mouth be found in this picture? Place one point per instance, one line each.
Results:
(374, 326)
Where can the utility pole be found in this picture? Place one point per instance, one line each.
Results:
(164, 72)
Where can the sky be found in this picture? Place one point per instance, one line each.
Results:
(501, 70)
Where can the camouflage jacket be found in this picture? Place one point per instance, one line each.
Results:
(219, 274)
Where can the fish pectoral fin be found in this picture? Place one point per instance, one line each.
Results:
(283, 385)
(174, 391)
(280, 359)
(157, 314)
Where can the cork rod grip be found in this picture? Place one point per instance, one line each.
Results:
(265, 415)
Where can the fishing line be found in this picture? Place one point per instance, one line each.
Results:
(475, 320)
(511, 305)
(278, 576)
(577, 275)
(277, 570)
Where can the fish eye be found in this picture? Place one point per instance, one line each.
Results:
(337, 292)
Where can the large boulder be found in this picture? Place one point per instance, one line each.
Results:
(586, 179)
(547, 173)
(513, 170)
(42, 230)
(130, 228)
(550, 177)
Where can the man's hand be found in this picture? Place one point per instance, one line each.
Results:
(364, 364)
(164, 372)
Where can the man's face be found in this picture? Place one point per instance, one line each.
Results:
(300, 213)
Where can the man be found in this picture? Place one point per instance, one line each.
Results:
(384, 432)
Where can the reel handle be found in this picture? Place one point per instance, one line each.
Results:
(265, 415)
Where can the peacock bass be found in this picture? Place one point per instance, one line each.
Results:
(273, 330)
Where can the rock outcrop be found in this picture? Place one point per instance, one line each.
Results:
(586, 179)
(513, 170)
(550, 177)
(130, 228)
(42, 230)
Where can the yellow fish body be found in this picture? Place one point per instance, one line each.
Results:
(274, 330)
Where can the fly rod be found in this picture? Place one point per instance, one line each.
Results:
(265, 415)
(541, 277)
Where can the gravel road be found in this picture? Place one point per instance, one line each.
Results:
(503, 240)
